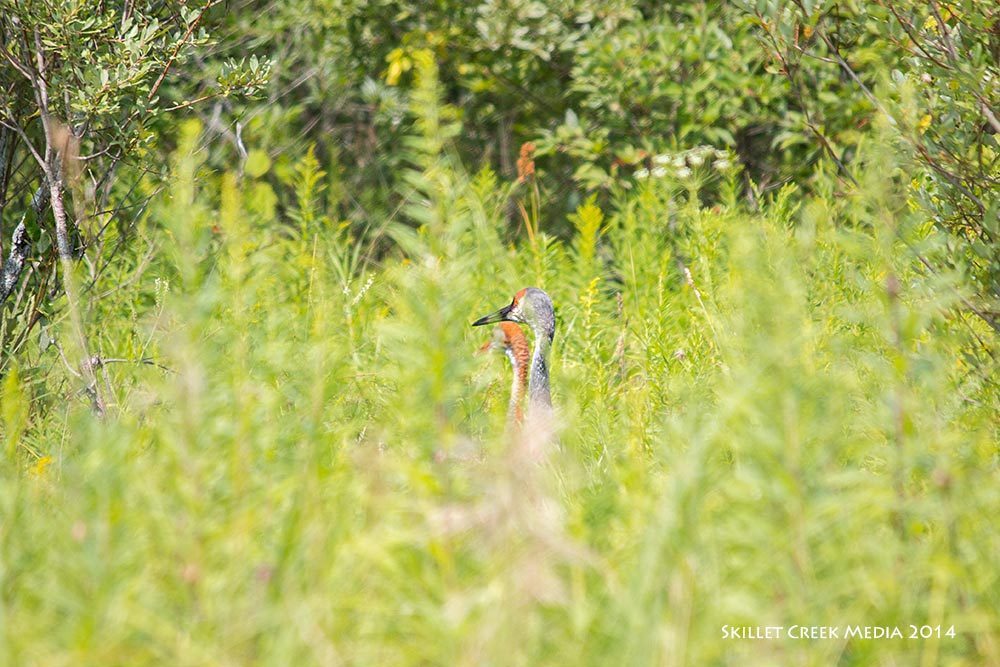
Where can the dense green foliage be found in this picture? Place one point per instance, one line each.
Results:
(765, 419)
(602, 86)
(245, 421)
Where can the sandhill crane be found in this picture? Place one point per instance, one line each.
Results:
(533, 307)
(509, 339)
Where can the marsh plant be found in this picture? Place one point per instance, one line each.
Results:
(766, 415)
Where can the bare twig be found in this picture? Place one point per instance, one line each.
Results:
(851, 73)
(198, 100)
(31, 147)
(908, 29)
(945, 34)
(177, 49)
(62, 355)
(990, 116)
(98, 362)
(15, 64)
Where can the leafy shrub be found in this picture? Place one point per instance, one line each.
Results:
(766, 418)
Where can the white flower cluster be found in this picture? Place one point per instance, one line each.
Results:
(680, 164)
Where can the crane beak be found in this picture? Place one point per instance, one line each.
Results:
(498, 316)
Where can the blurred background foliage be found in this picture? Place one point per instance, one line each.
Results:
(600, 87)
(769, 231)
(597, 88)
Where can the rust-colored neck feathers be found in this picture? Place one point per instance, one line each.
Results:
(519, 352)
(516, 347)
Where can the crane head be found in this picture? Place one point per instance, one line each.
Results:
(530, 306)
(525, 304)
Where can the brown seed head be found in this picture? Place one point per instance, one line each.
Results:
(526, 163)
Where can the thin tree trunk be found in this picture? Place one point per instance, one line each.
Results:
(59, 213)
(20, 246)
(6, 141)
(69, 285)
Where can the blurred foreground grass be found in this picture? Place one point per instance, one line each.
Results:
(765, 419)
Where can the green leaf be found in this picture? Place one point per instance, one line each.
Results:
(257, 164)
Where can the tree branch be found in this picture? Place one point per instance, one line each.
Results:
(20, 246)
(177, 49)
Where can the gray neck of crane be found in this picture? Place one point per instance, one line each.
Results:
(538, 379)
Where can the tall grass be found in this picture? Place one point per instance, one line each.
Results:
(765, 418)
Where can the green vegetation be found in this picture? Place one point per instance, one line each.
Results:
(257, 431)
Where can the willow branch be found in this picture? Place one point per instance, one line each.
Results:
(20, 246)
